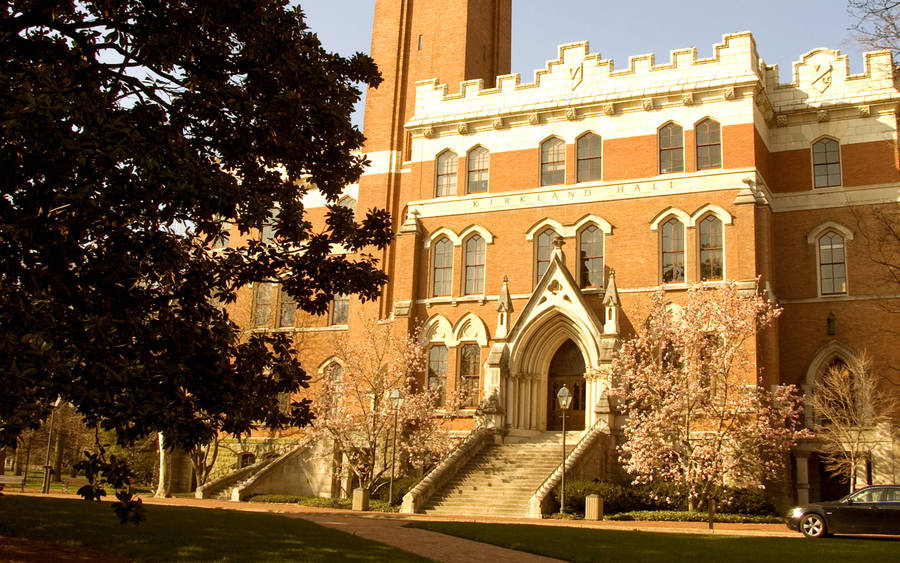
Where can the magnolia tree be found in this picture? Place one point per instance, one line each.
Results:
(352, 405)
(849, 409)
(696, 414)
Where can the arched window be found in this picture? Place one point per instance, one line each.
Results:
(469, 370)
(832, 264)
(588, 151)
(671, 149)
(348, 202)
(709, 144)
(672, 245)
(437, 371)
(474, 265)
(442, 267)
(711, 259)
(827, 163)
(590, 255)
(445, 180)
(334, 379)
(340, 310)
(477, 168)
(543, 248)
(553, 161)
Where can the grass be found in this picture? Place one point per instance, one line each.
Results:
(583, 544)
(182, 533)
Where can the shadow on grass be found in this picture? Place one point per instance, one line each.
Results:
(583, 544)
(183, 533)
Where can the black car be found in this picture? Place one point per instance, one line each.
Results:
(873, 510)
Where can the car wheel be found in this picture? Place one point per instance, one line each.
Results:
(813, 526)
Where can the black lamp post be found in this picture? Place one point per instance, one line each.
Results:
(396, 401)
(565, 399)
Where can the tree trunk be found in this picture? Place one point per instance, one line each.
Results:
(2, 460)
(164, 487)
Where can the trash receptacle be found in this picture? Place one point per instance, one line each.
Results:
(593, 507)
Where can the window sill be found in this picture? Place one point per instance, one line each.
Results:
(455, 301)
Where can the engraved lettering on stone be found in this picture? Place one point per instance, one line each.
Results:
(576, 75)
(822, 79)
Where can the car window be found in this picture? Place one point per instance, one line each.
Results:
(892, 495)
(868, 495)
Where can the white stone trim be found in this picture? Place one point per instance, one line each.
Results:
(719, 212)
(814, 234)
(553, 224)
(590, 218)
(461, 332)
(485, 234)
(328, 361)
(674, 212)
(437, 330)
(442, 232)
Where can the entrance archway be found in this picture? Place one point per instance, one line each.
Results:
(566, 368)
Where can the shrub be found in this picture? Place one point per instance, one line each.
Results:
(275, 499)
(402, 485)
(747, 501)
(685, 516)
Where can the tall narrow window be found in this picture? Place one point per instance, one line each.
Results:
(711, 249)
(709, 144)
(672, 235)
(590, 250)
(553, 162)
(588, 150)
(543, 249)
(477, 167)
(287, 309)
(469, 369)
(832, 264)
(442, 267)
(474, 265)
(267, 232)
(827, 163)
(340, 309)
(437, 371)
(671, 149)
(262, 303)
(445, 183)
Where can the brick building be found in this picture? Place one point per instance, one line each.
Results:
(533, 218)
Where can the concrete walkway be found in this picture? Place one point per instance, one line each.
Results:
(388, 528)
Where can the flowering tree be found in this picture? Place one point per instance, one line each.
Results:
(352, 405)
(849, 408)
(696, 415)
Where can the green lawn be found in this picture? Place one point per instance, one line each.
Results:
(580, 544)
(180, 533)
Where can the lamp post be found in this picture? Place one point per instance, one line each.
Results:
(396, 401)
(45, 486)
(565, 399)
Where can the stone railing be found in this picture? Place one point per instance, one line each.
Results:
(216, 486)
(415, 499)
(246, 488)
(542, 494)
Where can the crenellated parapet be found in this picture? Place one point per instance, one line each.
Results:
(579, 81)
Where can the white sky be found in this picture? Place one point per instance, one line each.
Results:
(783, 29)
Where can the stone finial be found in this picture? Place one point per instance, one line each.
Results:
(504, 308)
(558, 242)
(612, 293)
(611, 306)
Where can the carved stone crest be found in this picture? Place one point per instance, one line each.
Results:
(576, 75)
(822, 79)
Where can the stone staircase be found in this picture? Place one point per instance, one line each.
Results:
(500, 479)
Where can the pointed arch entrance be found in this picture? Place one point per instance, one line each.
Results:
(566, 368)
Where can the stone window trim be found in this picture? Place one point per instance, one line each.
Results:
(445, 173)
(712, 147)
(568, 231)
(670, 148)
(552, 161)
(814, 237)
(457, 239)
(832, 262)
(582, 155)
(478, 162)
(828, 151)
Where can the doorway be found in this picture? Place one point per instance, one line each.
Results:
(566, 368)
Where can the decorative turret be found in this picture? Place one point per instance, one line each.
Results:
(611, 306)
(504, 308)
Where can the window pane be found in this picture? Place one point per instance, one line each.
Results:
(477, 163)
(288, 310)
(826, 163)
(442, 267)
(544, 246)
(446, 174)
(588, 149)
(469, 370)
(591, 255)
(437, 371)
(672, 241)
(340, 309)
(262, 302)
(553, 162)
(474, 265)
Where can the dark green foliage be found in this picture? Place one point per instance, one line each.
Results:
(130, 132)
(116, 473)
(402, 486)
(686, 516)
(658, 497)
(275, 499)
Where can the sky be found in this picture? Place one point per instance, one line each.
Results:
(783, 30)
